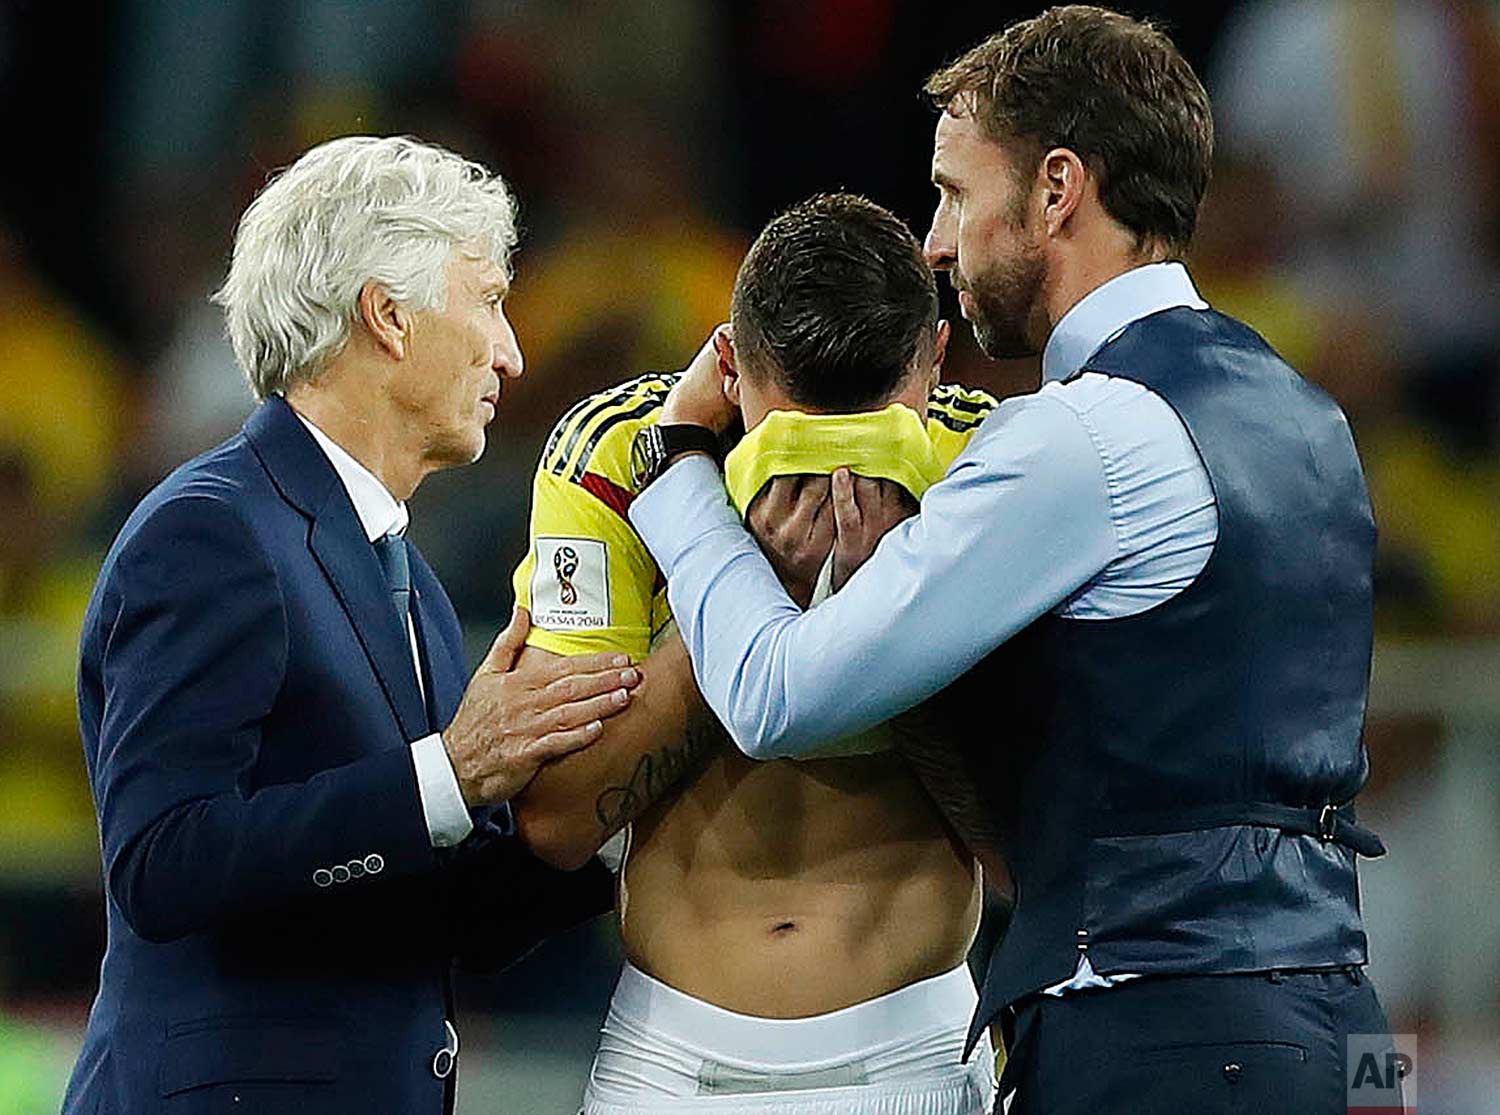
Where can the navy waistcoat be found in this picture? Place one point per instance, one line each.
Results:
(1173, 815)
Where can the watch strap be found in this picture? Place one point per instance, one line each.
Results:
(687, 438)
(656, 446)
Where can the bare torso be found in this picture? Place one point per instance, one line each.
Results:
(788, 889)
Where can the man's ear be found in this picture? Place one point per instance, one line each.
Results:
(940, 350)
(729, 371)
(388, 322)
(1063, 175)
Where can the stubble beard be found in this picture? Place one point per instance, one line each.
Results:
(1006, 301)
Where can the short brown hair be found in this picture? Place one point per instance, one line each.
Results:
(1112, 89)
(834, 301)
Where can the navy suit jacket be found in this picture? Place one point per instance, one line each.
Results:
(281, 930)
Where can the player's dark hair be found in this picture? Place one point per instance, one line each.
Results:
(835, 301)
(1111, 89)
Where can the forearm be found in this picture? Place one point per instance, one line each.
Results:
(1020, 522)
(575, 804)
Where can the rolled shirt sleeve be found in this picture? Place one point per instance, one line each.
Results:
(1021, 521)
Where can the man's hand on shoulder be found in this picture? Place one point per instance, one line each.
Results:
(513, 720)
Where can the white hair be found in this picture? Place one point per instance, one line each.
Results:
(360, 209)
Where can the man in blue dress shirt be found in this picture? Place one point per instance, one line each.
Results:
(1166, 554)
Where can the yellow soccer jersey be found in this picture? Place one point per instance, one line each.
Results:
(587, 578)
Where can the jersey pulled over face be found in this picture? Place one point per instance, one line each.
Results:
(755, 860)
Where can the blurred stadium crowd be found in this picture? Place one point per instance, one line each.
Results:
(1354, 219)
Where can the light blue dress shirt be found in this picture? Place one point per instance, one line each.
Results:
(1086, 499)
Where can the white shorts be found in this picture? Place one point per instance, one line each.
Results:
(664, 1051)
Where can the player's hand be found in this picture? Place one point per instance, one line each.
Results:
(511, 720)
(863, 511)
(792, 519)
(699, 397)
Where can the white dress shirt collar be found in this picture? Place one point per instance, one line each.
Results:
(380, 513)
(1107, 309)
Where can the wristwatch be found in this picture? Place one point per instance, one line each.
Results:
(655, 446)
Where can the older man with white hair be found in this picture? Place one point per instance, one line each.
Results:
(302, 808)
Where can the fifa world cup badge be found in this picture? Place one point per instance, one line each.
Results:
(570, 584)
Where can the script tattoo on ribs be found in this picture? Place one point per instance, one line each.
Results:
(655, 773)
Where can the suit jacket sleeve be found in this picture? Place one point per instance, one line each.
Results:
(190, 644)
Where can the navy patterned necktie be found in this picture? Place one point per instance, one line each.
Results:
(394, 563)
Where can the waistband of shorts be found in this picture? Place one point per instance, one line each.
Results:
(939, 1003)
(964, 1092)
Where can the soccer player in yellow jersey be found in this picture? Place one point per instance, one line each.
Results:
(816, 965)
